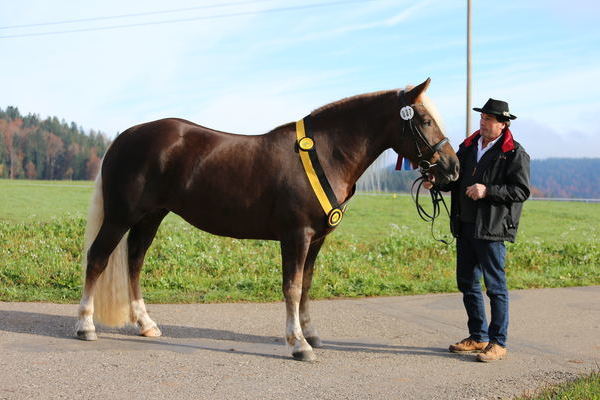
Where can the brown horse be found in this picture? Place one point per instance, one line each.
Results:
(252, 187)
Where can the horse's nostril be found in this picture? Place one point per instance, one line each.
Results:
(456, 173)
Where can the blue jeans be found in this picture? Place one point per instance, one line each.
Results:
(475, 257)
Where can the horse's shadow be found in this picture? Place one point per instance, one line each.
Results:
(62, 327)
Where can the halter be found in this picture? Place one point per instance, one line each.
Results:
(407, 113)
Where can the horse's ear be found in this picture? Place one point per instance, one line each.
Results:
(415, 92)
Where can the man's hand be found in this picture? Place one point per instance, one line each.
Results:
(476, 191)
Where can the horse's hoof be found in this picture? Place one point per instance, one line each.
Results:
(87, 335)
(151, 332)
(305, 355)
(314, 341)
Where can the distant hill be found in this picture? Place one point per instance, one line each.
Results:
(32, 148)
(552, 177)
(566, 177)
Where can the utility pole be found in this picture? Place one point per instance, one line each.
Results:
(468, 132)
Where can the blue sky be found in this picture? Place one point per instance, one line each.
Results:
(266, 66)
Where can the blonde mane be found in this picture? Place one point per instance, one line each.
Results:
(422, 99)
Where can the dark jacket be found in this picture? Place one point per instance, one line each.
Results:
(504, 170)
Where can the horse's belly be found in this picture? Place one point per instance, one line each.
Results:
(222, 221)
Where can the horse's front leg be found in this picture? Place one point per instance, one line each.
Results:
(293, 253)
(308, 329)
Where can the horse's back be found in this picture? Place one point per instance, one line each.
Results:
(149, 149)
(167, 144)
(206, 176)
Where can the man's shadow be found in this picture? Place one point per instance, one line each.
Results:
(63, 327)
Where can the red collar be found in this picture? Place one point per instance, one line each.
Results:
(508, 143)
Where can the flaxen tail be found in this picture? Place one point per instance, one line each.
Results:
(112, 294)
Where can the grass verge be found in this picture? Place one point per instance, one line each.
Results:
(585, 388)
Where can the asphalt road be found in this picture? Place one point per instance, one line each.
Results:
(374, 348)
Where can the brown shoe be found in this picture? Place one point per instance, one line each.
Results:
(493, 352)
(467, 345)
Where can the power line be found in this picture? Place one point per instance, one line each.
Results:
(143, 14)
(207, 17)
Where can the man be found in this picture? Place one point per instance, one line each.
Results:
(486, 206)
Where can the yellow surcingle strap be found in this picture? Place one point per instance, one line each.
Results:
(310, 170)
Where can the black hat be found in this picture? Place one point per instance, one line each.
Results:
(496, 107)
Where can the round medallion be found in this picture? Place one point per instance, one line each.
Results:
(306, 143)
(407, 113)
(334, 217)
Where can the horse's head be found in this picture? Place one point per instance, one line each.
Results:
(419, 136)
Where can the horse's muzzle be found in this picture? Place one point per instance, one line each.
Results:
(446, 169)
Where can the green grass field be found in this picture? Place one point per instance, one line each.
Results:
(586, 387)
(380, 249)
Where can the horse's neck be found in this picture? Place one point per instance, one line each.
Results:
(352, 147)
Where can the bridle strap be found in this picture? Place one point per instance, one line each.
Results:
(438, 146)
(436, 199)
(416, 132)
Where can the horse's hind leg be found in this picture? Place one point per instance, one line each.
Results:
(309, 331)
(140, 238)
(293, 252)
(106, 241)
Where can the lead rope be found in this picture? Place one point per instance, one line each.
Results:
(436, 199)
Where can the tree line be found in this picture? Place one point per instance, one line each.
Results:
(32, 148)
(567, 177)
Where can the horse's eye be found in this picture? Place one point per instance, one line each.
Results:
(427, 122)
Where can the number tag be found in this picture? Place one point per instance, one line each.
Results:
(407, 113)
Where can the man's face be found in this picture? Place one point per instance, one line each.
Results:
(489, 127)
